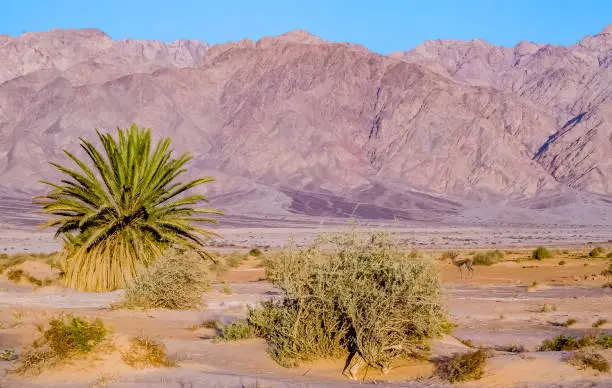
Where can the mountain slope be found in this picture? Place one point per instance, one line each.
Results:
(295, 123)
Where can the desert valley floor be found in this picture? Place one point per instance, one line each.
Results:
(508, 308)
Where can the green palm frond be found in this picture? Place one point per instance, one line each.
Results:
(118, 213)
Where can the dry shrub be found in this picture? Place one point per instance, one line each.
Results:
(145, 352)
(176, 281)
(449, 255)
(462, 367)
(15, 275)
(7, 261)
(66, 338)
(600, 322)
(488, 258)
(349, 293)
(590, 359)
(596, 252)
(541, 253)
(237, 330)
(255, 252)
(235, 259)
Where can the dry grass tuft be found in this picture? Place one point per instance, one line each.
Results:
(548, 308)
(462, 367)
(66, 338)
(590, 359)
(177, 281)
(145, 352)
(349, 293)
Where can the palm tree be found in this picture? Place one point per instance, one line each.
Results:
(118, 214)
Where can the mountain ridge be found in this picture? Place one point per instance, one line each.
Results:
(294, 118)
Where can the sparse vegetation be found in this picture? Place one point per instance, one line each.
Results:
(226, 289)
(449, 255)
(255, 252)
(596, 252)
(488, 258)
(15, 275)
(565, 343)
(126, 205)
(569, 322)
(590, 359)
(176, 281)
(238, 330)
(65, 339)
(548, 308)
(8, 355)
(346, 294)
(7, 261)
(462, 367)
(599, 323)
(235, 259)
(145, 352)
(541, 253)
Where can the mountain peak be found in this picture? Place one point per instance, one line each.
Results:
(300, 36)
(606, 30)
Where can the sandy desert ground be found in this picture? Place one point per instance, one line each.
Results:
(498, 308)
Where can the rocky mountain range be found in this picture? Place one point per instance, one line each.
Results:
(294, 124)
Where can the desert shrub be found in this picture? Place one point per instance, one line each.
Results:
(462, 367)
(8, 355)
(256, 252)
(235, 259)
(176, 281)
(548, 308)
(609, 255)
(541, 253)
(560, 343)
(10, 261)
(488, 258)
(590, 359)
(237, 330)
(600, 322)
(449, 255)
(562, 262)
(596, 252)
(569, 322)
(145, 352)
(15, 275)
(348, 293)
(414, 254)
(564, 343)
(65, 339)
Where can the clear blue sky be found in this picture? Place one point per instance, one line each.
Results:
(381, 25)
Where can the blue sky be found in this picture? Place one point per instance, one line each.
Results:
(380, 25)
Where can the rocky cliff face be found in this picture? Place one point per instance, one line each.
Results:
(301, 124)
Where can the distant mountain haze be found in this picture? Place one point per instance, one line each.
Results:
(296, 124)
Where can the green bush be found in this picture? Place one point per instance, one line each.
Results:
(256, 252)
(462, 367)
(541, 253)
(65, 339)
(349, 294)
(176, 281)
(488, 258)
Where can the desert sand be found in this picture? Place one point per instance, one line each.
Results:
(498, 308)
